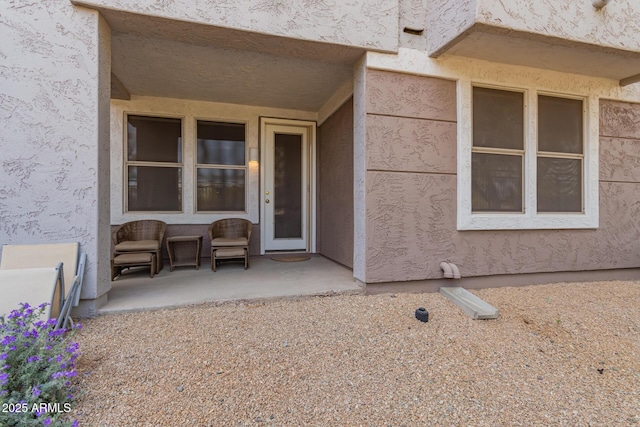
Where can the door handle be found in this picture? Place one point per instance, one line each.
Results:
(266, 201)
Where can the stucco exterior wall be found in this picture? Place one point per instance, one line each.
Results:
(413, 16)
(411, 197)
(614, 26)
(447, 20)
(410, 155)
(335, 186)
(359, 170)
(369, 24)
(53, 176)
(568, 19)
(103, 172)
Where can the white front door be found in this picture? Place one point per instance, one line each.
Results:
(286, 186)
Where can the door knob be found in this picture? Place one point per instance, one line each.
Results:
(266, 201)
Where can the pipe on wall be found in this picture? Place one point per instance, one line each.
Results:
(448, 273)
(451, 271)
(456, 270)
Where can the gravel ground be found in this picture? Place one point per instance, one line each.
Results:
(560, 354)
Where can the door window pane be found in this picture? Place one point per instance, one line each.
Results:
(560, 125)
(153, 188)
(288, 186)
(221, 189)
(498, 118)
(154, 139)
(559, 185)
(497, 183)
(221, 143)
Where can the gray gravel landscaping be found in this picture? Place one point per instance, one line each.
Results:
(560, 354)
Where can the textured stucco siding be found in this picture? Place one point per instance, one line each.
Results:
(410, 158)
(102, 170)
(413, 15)
(335, 186)
(405, 95)
(620, 159)
(411, 199)
(446, 20)
(614, 26)
(55, 134)
(363, 23)
(409, 144)
(415, 229)
(359, 170)
(619, 119)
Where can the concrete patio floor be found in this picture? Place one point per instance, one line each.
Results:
(266, 278)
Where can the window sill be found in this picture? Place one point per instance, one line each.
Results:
(527, 222)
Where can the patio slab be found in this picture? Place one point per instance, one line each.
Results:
(265, 278)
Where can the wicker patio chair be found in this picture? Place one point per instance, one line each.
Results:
(143, 236)
(230, 239)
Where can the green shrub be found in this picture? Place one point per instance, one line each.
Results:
(37, 363)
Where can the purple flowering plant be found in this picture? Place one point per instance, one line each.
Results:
(37, 363)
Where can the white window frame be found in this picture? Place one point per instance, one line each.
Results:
(529, 218)
(197, 166)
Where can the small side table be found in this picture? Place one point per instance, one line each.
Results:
(184, 250)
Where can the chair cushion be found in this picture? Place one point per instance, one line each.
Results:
(137, 246)
(136, 258)
(229, 253)
(230, 241)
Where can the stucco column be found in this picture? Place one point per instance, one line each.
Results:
(359, 171)
(54, 110)
(103, 193)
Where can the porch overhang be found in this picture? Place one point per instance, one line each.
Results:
(160, 57)
(534, 50)
(566, 36)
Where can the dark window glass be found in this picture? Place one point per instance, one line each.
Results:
(154, 139)
(221, 143)
(559, 185)
(560, 127)
(498, 118)
(287, 190)
(221, 189)
(154, 188)
(497, 183)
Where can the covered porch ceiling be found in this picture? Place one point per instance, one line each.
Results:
(165, 58)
